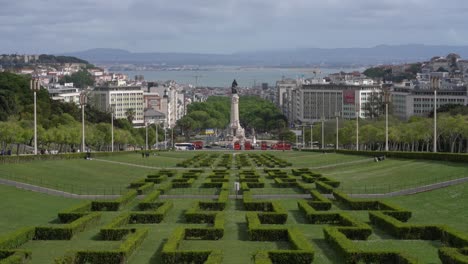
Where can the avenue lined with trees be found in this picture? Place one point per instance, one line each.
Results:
(59, 125)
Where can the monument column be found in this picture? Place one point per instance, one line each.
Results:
(236, 130)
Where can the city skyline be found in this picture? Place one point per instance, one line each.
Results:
(50, 26)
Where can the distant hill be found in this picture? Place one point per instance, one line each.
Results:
(382, 54)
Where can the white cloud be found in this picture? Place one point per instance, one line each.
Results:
(226, 25)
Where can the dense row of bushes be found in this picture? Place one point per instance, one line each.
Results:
(217, 179)
(366, 204)
(17, 238)
(268, 160)
(203, 212)
(353, 254)
(319, 202)
(199, 160)
(453, 255)
(218, 205)
(226, 161)
(148, 202)
(114, 205)
(66, 231)
(170, 253)
(14, 256)
(302, 251)
(116, 256)
(250, 179)
(153, 216)
(402, 230)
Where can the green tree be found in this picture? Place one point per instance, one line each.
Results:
(80, 79)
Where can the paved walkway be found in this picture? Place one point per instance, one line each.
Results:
(59, 193)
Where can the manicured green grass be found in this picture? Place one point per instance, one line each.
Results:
(76, 176)
(20, 208)
(447, 206)
(393, 174)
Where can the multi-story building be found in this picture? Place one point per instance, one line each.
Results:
(168, 99)
(65, 94)
(121, 99)
(284, 97)
(314, 102)
(420, 102)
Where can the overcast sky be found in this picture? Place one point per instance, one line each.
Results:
(226, 26)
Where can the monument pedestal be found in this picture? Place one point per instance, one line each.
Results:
(236, 132)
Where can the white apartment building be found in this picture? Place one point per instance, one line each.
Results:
(312, 103)
(121, 99)
(420, 102)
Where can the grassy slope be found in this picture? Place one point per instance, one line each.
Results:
(448, 206)
(78, 176)
(21, 208)
(392, 174)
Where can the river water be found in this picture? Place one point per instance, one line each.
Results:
(223, 76)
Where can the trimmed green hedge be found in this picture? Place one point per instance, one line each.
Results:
(14, 256)
(453, 255)
(352, 254)
(112, 231)
(148, 201)
(114, 205)
(151, 217)
(74, 212)
(66, 231)
(323, 187)
(117, 256)
(363, 204)
(171, 255)
(402, 230)
(17, 238)
(319, 202)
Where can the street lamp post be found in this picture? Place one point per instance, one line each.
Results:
(112, 129)
(337, 115)
(34, 85)
(357, 126)
(83, 100)
(323, 132)
(303, 137)
(387, 101)
(156, 125)
(435, 86)
(311, 136)
(146, 142)
(165, 138)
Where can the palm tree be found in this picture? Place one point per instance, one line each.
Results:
(130, 113)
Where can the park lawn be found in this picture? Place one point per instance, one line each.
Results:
(447, 206)
(315, 159)
(393, 174)
(20, 208)
(162, 159)
(77, 176)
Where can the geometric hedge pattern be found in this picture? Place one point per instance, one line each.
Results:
(142, 208)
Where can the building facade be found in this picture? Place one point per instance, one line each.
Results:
(121, 99)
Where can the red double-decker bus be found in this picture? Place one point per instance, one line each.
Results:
(248, 145)
(264, 145)
(281, 146)
(198, 144)
(237, 145)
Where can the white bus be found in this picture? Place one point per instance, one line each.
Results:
(184, 146)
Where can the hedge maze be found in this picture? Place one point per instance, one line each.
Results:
(323, 226)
